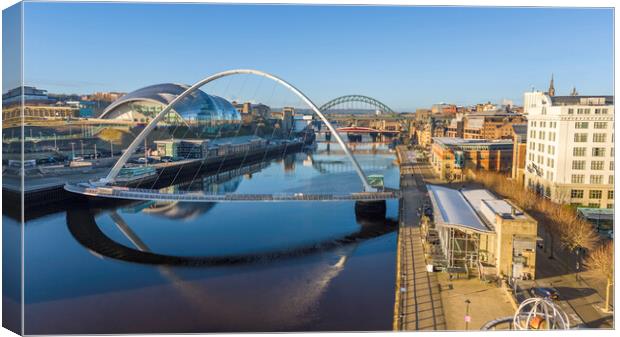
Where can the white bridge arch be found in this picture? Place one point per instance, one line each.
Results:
(140, 138)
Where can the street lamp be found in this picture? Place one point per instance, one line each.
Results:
(467, 317)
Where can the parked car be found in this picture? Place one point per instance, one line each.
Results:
(545, 292)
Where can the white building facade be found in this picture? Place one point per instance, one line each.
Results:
(570, 148)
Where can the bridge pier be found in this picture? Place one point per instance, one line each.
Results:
(375, 209)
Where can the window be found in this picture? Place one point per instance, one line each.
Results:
(576, 179)
(604, 111)
(532, 146)
(550, 149)
(611, 180)
(532, 134)
(596, 194)
(599, 137)
(600, 111)
(532, 123)
(596, 179)
(543, 124)
(579, 151)
(598, 152)
(597, 165)
(578, 194)
(594, 205)
(581, 137)
(541, 134)
(571, 111)
(552, 136)
(583, 111)
(600, 125)
(610, 195)
(612, 151)
(610, 205)
(611, 165)
(541, 147)
(581, 125)
(579, 164)
(550, 163)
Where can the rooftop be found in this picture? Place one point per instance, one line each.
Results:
(216, 141)
(474, 209)
(519, 129)
(449, 141)
(451, 208)
(596, 213)
(582, 100)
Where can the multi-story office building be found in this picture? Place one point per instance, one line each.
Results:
(484, 125)
(570, 148)
(443, 109)
(490, 125)
(30, 96)
(451, 157)
(422, 115)
(519, 151)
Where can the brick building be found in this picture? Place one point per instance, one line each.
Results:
(519, 151)
(450, 157)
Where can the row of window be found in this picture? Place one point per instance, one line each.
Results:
(596, 151)
(596, 165)
(581, 137)
(594, 194)
(541, 135)
(543, 124)
(594, 179)
(586, 111)
(585, 125)
(594, 205)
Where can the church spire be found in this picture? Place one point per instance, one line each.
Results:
(551, 88)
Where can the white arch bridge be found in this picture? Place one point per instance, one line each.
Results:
(105, 186)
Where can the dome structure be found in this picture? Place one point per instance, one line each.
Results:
(197, 108)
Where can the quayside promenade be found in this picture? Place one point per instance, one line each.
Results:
(418, 303)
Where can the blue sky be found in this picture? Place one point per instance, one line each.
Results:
(407, 57)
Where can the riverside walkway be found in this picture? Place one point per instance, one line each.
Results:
(193, 196)
(418, 303)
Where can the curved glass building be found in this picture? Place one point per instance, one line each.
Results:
(198, 108)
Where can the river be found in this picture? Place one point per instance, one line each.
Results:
(145, 267)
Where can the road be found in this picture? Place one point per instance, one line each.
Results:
(582, 303)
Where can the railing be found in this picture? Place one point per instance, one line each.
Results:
(149, 194)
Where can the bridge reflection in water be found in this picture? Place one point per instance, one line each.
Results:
(234, 269)
(296, 295)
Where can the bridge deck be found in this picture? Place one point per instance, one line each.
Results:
(149, 194)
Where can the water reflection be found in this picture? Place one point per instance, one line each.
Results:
(83, 227)
(129, 267)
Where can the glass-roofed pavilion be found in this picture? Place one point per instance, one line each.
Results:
(198, 108)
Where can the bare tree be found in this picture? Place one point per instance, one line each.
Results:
(602, 260)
